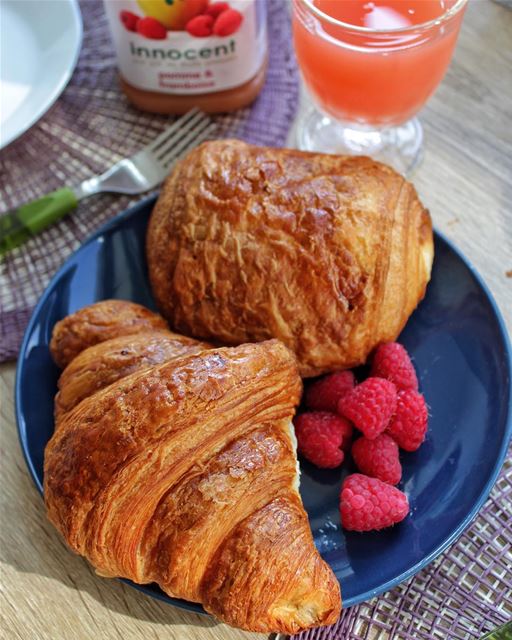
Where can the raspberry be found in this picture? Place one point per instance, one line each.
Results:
(347, 431)
(216, 8)
(227, 22)
(320, 436)
(200, 26)
(370, 405)
(391, 361)
(378, 458)
(324, 394)
(409, 424)
(367, 504)
(151, 28)
(129, 20)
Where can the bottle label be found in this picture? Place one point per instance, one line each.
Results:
(183, 47)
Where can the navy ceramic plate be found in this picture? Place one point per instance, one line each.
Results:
(462, 355)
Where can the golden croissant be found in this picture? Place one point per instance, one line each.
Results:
(174, 462)
(329, 254)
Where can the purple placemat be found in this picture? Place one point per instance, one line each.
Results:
(467, 591)
(91, 127)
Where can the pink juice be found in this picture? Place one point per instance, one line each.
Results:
(368, 77)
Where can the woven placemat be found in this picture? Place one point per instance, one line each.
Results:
(462, 595)
(91, 127)
(467, 591)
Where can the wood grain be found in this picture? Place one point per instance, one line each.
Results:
(465, 180)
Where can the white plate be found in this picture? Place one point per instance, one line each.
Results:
(40, 42)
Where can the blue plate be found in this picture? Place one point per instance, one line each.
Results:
(462, 354)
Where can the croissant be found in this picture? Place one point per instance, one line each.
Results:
(329, 254)
(102, 364)
(99, 322)
(180, 468)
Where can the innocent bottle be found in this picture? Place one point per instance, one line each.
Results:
(177, 54)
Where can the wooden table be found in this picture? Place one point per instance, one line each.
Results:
(465, 180)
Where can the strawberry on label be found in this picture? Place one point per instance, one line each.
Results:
(173, 14)
(194, 8)
(216, 8)
(200, 26)
(151, 28)
(227, 22)
(129, 19)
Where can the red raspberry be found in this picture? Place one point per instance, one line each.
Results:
(227, 22)
(200, 26)
(409, 424)
(367, 504)
(130, 20)
(391, 361)
(378, 458)
(370, 405)
(324, 394)
(216, 8)
(151, 28)
(347, 433)
(320, 437)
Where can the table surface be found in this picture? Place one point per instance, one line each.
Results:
(465, 181)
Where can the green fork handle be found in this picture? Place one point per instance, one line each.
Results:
(18, 225)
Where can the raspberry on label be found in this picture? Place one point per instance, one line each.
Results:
(321, 437)
(370, 406)
(378, 458)
(325, 393)
(391, 361)
(408, 426)
(368, 504)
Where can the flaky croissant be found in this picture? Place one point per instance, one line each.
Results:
(184, 473)
(102, 364)
(98, 322)
(330, 254)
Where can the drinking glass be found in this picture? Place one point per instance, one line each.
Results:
(368, 84)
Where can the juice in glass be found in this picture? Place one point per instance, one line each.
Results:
(377, 78)
(374, 63)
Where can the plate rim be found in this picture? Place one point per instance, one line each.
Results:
(63, 81)
(371, 593)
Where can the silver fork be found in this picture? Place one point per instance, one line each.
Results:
(141, 172)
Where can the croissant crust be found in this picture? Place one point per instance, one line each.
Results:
(184, 473)
(98, 322)
(101, 365)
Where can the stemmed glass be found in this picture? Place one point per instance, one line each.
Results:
(368, 83)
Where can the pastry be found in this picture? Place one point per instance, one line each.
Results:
(329, 254)
(185, 473)
(101, 365)
(98, 322)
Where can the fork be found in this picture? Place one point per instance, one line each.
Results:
(141, 172)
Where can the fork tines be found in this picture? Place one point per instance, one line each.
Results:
(167, 155)
(194, 126)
